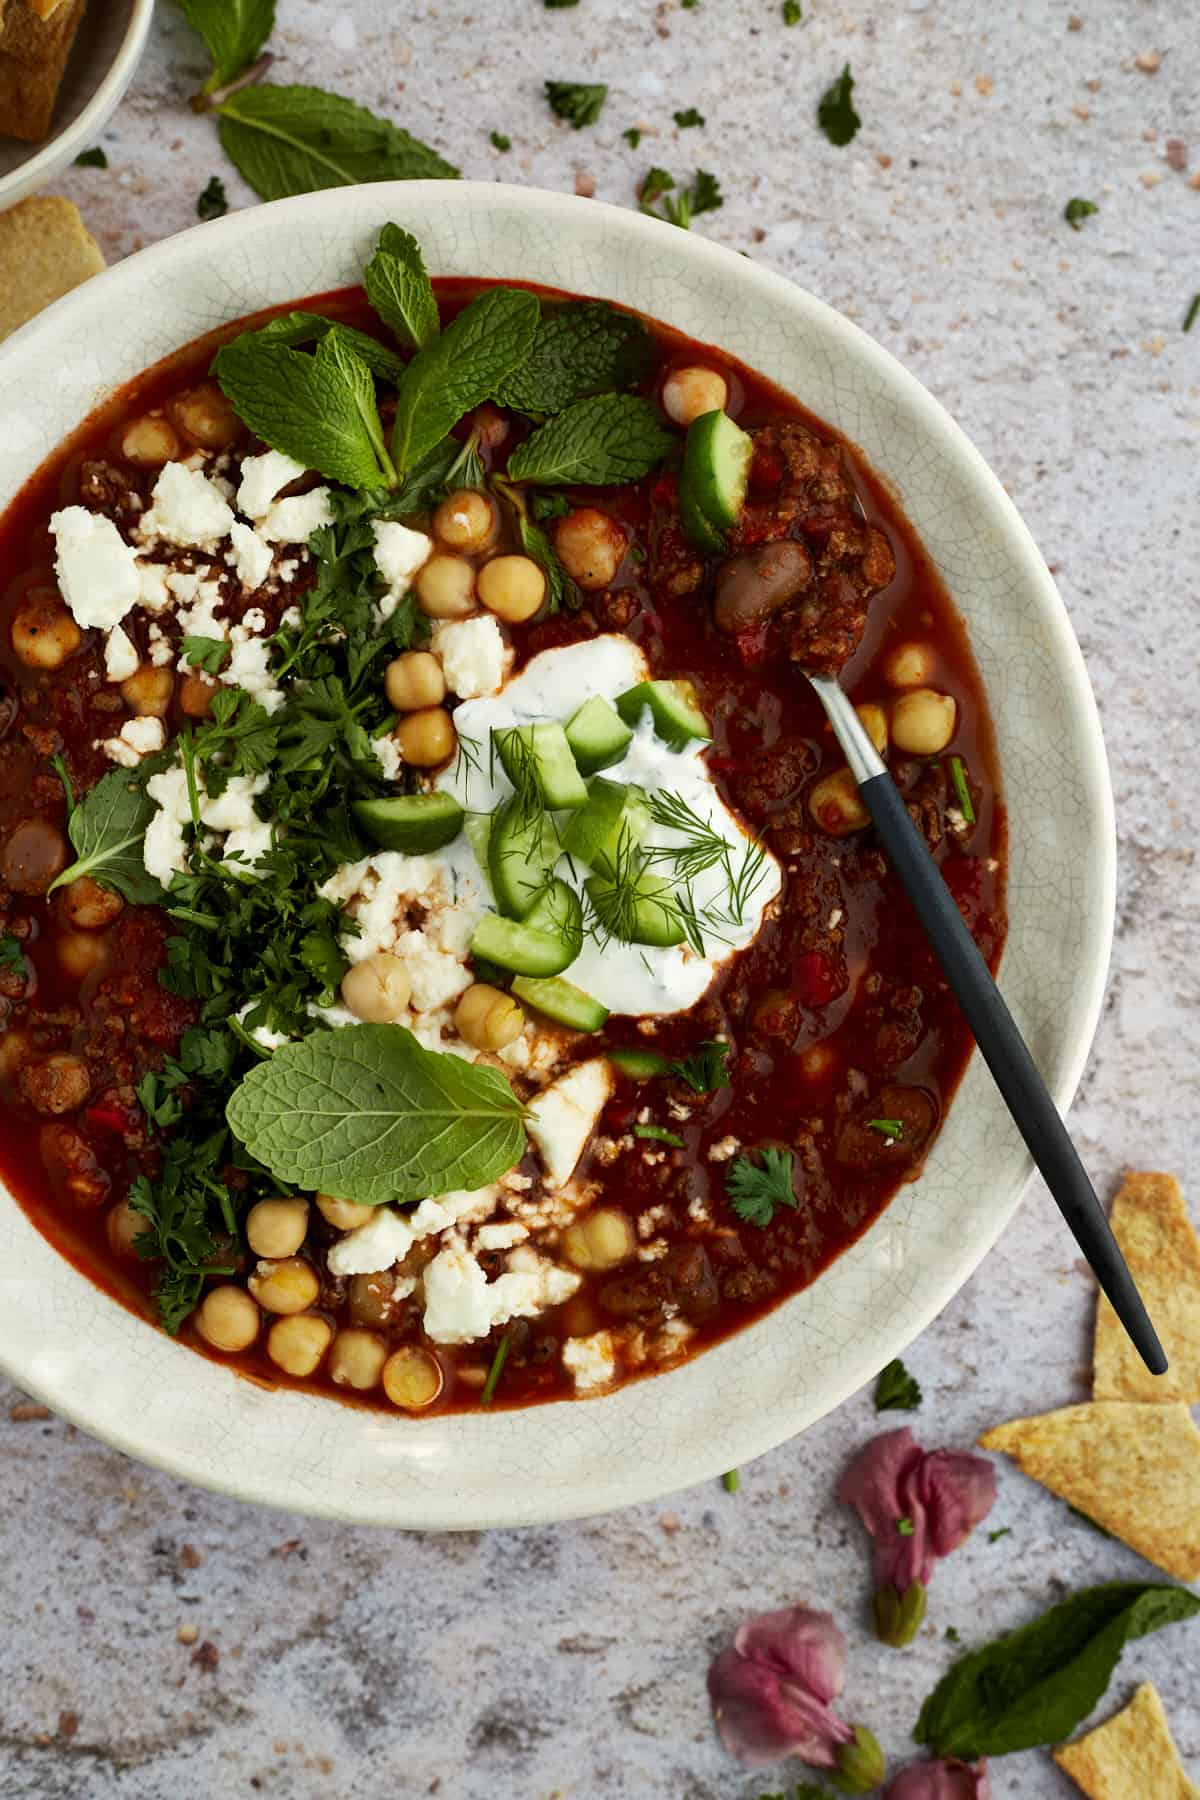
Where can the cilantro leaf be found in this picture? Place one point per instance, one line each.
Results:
(296, 327)
(12, 953)
(296, 140)
(1077, 210)
(92, 159)
(234, 32)
(609, 438)
(460, 369)
(400, 291)
(896, 1390)
(835, 111)
(213, 202)
(756, 1189)
(581, 348)
(106, 828)
(578, 102)
(206, 653)
(704, 1070)
(321, 409)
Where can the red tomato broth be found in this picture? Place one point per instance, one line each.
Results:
(779, 1094)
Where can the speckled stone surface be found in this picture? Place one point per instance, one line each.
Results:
(569, 1660)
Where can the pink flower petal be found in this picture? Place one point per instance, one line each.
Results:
(958, 1490)
(762, 1718)
(943, 1780)
(804, 1646)
(938, 1497)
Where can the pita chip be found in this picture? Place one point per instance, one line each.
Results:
(1150, 1223)
(1132, 1467)
(1130, 1757)
(45, 250)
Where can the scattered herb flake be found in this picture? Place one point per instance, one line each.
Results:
(690, 116)
(680, 206)
(1077, 210)
(835, 112)
(495, 1372)
(578, 102)
(905, 1527)
(12, 955)
(499, 140)
(1000, 1532)
(731, 1481)
(1192, 313)
(951, 1635)
(213, 203)
(892, 1129)
(91, 159)
(704, 1070)
(756, 1189)
(660, 1134)
(896, 1390)
(962, 792)
(633, 137)
(559, 5)
(792, 12)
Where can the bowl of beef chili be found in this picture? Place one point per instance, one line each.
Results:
(464, 1059)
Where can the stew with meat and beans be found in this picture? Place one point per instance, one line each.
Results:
(444, 958)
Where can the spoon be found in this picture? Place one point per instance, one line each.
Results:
(1003, 1048)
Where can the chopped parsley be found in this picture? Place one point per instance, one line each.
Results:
(1077, 210)
(499, 140)
(892, 1129)
(835, 111)
(792, 12)
(633, 137)
(689, 5)
(680, 205)
(578, 102)
(731, 1481)
(951, 1635)
(690, 116)
(1001, 1532)
(703, 1070)
(896, 1390)
(1192, 313)
(962, 792)
(206, 653)
(905, 1527)
(755, 1189)
(12, 954)
(91, 159)
(213, 203)
(660, 1134)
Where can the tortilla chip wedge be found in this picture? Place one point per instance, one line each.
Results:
(1150, 1223)
(1129, 1757)
(45, 250)
(1133, 1468)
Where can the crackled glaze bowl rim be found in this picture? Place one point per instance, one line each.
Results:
(45, 160)
(65, 1341)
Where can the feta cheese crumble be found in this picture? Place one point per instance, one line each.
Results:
(97, 571)
(399, 553)
(473, 655)
(262, 478)
(591, 1360)
(138, 737)
(246, 836)
(462, 1305)
(563, 1116)
(388, 1237)
(294, 521)
(186, 508)
(120, 657)
(252, 555)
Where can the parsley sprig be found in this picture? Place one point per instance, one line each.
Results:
(757, 1189)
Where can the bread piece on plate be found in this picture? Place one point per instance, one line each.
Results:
(45, 251)
(28, 90)
(45, 9)
(32, 37)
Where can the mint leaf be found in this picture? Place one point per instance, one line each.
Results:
(560, 589)
(234, 31)
(1034, 1686)
(106, 829)
(578, 102)
(369, 1112)
(295, 328)
(320, 409)
(463, 367)
(835, 112)
(583, 347)
(294, 140)
(896, 1390)
(609, 438)
(399, 289)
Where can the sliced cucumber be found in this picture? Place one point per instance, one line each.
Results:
(674, 709)
(698, 528)
(598, 736)
(559, 910)
(541, 753)
(477, 829)
(716, 467)
(609, 827)
(513, 945)
(523, 848)
(640, 913)
(411, 822)
(560, 1000)
(643, 1065)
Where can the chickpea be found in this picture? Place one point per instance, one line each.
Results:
(122, 1226)
(689, 393)
(44, 634)
(488, 1018)
(357, 1359)
(466, 520)
(15, 1051)
(373, 1298)
(412, 1378)
(875, 724)
(79, 952)
(297, 1344)
(149, 441)
(836, 804)
(277, 1228)
(343, 1215)
(377, 988)
(196, 694)
(204, 415)
(923, 721)
(148, 690)
(34, 852)
(227, 1318)
(446, 587)
(512, 587)
(910, 664)
(89, 906)
(289, 1286)
(590, 545)
(601, 1240)
(426, 738)
(414, 681)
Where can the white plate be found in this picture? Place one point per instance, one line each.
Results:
(106, 51)
(85, 1356)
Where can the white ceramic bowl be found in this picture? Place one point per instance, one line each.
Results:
(103, 58)
(85, 1356)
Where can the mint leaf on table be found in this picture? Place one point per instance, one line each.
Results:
(213, 202)
(106, 828)
(92, 159)
(1034, 1686)
(578, 102)
(835, 111)
(756, 1189)
(459, 370)
(896, 1390)
(234, 31)
(296, 328)
(294, 140)
(607, 439)
(319, 409)
(1077, 210)
(369, 1111)
(582, 347)
(399, 289)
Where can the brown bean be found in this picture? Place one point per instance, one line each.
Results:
(34, 853)
(752, 586)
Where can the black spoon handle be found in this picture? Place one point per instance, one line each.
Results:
(1007, 1056)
